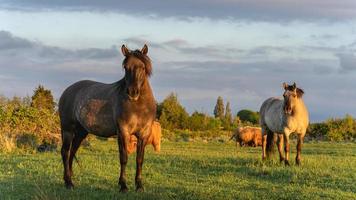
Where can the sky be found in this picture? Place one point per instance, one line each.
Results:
(242, 50)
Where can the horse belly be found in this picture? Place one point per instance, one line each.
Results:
(274, 123)
(96, 116)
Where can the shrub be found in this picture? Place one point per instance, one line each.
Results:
(248, 116)
(334, 129)
(27, 141)
(7, 143)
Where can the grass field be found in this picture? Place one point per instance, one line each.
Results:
(185, 170)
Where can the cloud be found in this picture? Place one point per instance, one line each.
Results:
(34, 53)
(199, 75)
(248, 84)
(8, 41)
(347, 62)
(252, 10)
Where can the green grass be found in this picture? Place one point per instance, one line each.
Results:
(185, 170)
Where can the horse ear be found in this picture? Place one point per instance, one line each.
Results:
(144, 49)
(294, 85)
(285, 86)
(125, 51)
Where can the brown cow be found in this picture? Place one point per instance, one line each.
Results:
(154, 139)
(250, 136)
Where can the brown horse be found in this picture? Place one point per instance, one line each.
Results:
(250, 136)
(154, 139)
(124, 108)
(284, 117)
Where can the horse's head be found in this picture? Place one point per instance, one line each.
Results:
(291, 95)
(138, 68)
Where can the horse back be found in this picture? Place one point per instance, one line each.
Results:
(88, 103)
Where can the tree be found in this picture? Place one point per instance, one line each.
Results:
(198, 121)
(42, 99)
(227, 122)
(248, 116)
(219, 108)
(172, 114)
(228, 115)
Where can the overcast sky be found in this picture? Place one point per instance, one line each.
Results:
(242, 50)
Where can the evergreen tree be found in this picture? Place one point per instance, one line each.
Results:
(228, 114)
(219, 108)
(42, 99)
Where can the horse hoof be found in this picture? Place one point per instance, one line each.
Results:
(298, 162)
(140, 189)
(286, 162)
(69, 186)
(124, 190)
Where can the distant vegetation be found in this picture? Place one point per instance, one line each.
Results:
(32, 122)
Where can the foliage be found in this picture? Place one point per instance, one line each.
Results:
(228, 121)
(248, 116)
(334, 129)
(200, 121)
(42, 99)
(172, 114)
(219, 108)
(23, 125)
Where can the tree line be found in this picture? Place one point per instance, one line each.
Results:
(31, 121)
(172, 115)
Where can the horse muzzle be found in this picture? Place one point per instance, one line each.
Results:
(288, 111)
(133, 98)
(133, 94)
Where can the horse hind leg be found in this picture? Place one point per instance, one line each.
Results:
(67, 137)
(79, 136)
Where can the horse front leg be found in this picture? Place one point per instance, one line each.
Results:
(299, 148)
(141, 143)
(286, 148)
(280, 147)
(123, 140)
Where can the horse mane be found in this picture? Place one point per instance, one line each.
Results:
(300, 92)
(142, 57)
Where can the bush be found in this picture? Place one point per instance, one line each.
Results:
(248, 116)
(334, 129)
(27, 141)
(7, 143)
(26, 126)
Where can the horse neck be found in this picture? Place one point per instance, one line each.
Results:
(146, 89)
(298, 110)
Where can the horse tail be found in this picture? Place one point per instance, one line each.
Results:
(76, 159)
(270, 143)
